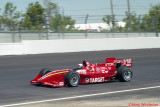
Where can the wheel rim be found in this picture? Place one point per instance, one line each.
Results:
(127, 75)
(74, 80)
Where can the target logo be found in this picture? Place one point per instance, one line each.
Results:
(87, 80)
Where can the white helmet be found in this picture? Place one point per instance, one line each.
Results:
(80, 65)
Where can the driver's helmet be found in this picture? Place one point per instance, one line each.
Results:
(80, 65)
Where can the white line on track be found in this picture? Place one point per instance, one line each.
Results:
(81, 96)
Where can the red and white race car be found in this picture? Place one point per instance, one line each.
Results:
(87, 73)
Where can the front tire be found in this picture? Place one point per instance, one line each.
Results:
(72, 79)
(124, 73)
(45, 71)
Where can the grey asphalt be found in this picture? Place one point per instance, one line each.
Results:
(17, 71)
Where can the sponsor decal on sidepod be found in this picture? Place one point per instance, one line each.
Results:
(94, 80)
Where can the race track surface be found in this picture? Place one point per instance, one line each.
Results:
(17, 71)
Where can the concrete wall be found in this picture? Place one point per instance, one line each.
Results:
(78, 45)
(11, 49)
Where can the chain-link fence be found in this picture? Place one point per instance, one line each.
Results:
(92, 26)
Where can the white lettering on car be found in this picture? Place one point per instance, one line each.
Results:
(118, 61)
(124, 62)
(94, 80)
(109, 64)
(103, 68)
(87, 80)
(61, 83)
(106, 71)
(81, 71)
(99, 79)
(129, 60)
(93, 69)
(98, 69)
(128, 64)
(109, 68)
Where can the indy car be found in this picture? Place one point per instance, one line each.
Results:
(86, 73)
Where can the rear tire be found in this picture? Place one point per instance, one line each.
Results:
(124, 74)
(72, 79)
(45, 71)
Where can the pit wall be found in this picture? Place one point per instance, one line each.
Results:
(77, 45)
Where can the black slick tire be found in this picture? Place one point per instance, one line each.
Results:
(44, 71)
(124, 74)
(72, 79)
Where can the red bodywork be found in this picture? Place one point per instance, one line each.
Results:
(90, 73)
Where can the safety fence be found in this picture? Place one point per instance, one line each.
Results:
(93, 26)
(16, 37)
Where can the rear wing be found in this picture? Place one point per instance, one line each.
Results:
(125, 62)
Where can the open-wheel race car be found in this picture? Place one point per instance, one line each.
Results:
(85, 73)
